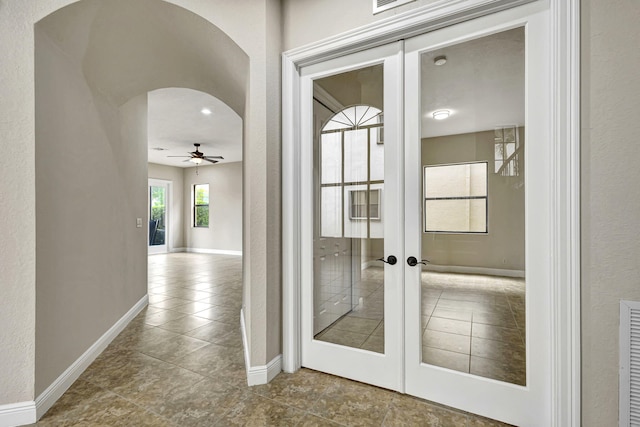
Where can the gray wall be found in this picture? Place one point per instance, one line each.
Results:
(610, 194)
(225, 207)
(503, 246)
(91, 265)
(176, 201)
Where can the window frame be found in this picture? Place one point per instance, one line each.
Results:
(196, 206)
(367, 204)
(485, 197)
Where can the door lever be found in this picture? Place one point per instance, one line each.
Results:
(412, 261)
(391, 260)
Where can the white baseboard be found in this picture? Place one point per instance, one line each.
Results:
(474, 270)
(263, 374)
(64, 381)
(212, 251)
(370, 264)
(245, 343)
(17, 414)
(257, 375)
(176, 250)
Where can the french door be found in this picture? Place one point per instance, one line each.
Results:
(158, 216)
(425, 250)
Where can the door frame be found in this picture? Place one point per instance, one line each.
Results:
(564, 161)
(168, 188)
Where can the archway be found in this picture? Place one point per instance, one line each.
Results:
(95, 63)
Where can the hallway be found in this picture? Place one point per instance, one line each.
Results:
(180, 363)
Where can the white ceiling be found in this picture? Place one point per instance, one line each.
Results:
(175, 123)
(482, 84)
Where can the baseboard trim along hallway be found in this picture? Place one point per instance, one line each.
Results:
(73, 372)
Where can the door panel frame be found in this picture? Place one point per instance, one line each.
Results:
(383, 370)
(520, 405)
(160, 249)
(563, 160)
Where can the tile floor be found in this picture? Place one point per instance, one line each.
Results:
(470, 323)
(180, 363)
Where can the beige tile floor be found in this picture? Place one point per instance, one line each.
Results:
(470, 323)
(180, 363)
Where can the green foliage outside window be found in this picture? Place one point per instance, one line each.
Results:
(201, 205)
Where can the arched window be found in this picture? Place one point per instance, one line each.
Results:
(352, 173)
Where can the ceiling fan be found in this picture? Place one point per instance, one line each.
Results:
(198, 156)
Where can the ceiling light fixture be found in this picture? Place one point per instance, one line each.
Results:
(441, 114)
(440, 60)
(196, 160)
(205, 111)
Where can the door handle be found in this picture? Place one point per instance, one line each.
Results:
(391, 260)
(412, 261)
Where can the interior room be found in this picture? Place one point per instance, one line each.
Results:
(473, 258)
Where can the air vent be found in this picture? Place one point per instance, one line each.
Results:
(629, 363)
(159, 149)
(382, 5)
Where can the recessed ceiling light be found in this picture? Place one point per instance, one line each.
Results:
(441, 114)
(205, 111)
(440, 60)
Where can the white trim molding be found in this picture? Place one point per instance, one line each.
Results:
(565, 167)
(73, 372)
(502, 272)
(257, 375)
(17, 414)
(212, 251)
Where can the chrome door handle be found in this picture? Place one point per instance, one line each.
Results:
(391, 260)
(412, 261)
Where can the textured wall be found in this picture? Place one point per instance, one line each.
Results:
(610, 194)
(307, 21)
(17, 199)
(91, 265)
(225, 207)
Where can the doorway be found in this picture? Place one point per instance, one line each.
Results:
(158, 237)
(424, 264)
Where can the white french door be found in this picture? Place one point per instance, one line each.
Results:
(351, 153)
(158, 202)
(425, 216)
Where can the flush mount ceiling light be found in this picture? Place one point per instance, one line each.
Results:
(205, 111)
(441, 114)
(440, 60)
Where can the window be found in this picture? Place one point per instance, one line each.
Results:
(201, 205)
(351, 154)
(455, 198)
(507, 149)
(358, 203)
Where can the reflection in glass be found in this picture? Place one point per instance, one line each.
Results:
(348, 221)
(473, 208)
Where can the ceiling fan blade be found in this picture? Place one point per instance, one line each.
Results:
(214, 157)
(209, 160)
(188, 160)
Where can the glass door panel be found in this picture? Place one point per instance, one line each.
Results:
(355, 224)
(157, 238)
(469, 207)
(473, 286)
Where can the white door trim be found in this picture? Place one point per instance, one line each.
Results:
(564, 164)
